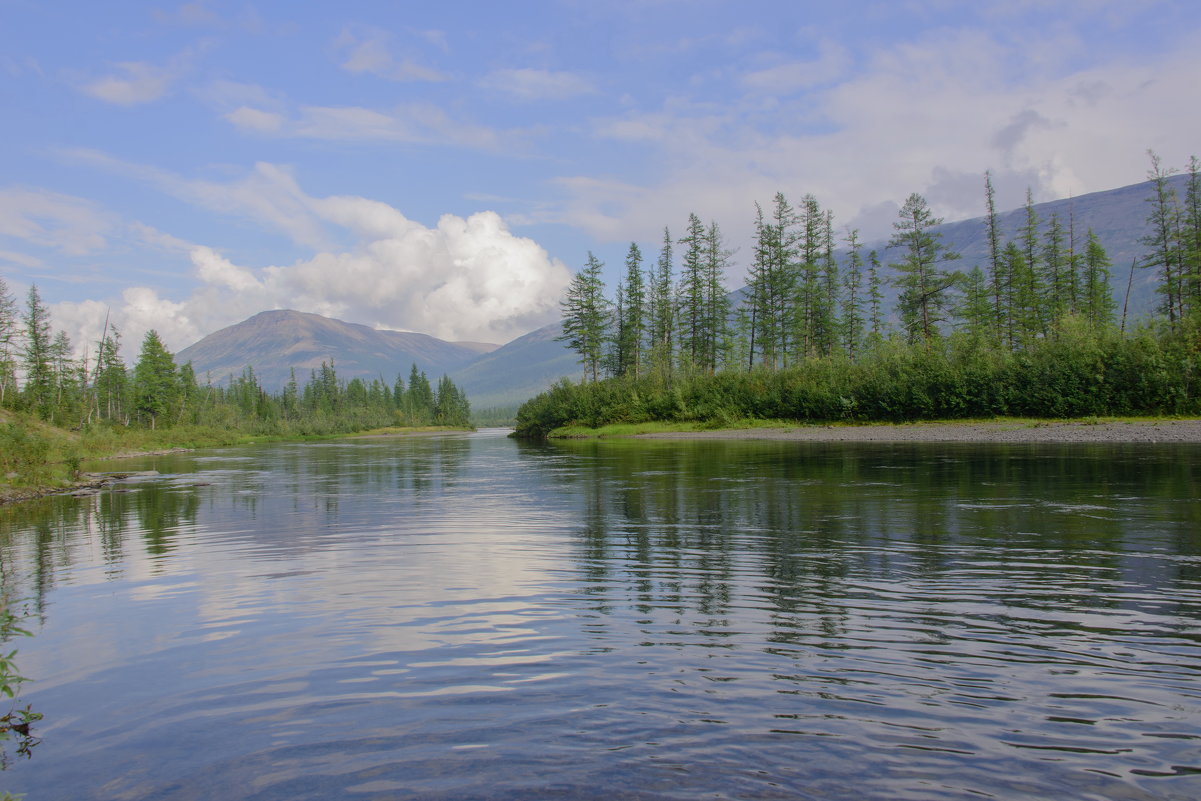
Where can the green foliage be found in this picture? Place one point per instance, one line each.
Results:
(1080, 370)
(15, 724)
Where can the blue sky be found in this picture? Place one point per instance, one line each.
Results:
(443, 167)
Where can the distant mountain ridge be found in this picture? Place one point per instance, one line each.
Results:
(274, 343)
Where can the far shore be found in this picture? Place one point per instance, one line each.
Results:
(1000, 431)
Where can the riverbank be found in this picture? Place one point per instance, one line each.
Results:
(53, 466)
(1147, 430)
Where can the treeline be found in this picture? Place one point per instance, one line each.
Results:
(39, 376)
(1040, 309)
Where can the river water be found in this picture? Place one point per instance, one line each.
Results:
(469, 617)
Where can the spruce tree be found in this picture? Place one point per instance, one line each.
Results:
(155, 387)
(39, 370)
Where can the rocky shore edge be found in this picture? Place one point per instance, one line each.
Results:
(999, 431)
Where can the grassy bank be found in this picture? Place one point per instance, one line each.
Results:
(36, 458)
(1077, 374)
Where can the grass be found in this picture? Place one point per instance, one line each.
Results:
(36, 458)
(617, 430)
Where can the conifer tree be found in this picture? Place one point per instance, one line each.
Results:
(662, 308)
(1098, 305)
(1191, 244)
(717, 303)
(692, 294)
(998, 279)
(923, 282)
(631, 317)
(852, 297)
(586, 317)
(875, 298)
(1056, 276)
(39, 370)
(10, 329)
(111, 383)
(1161, 239)
(154, 379)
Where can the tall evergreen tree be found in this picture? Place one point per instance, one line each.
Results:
(10, 331)
(852, 296)
(631, 319)
(875, 298)
(1164, 252)
(586, 317)
(998, 279)
(717, 303)
(1098, 304)
(155, 386)
(923, 282)
(111, 382)
(692, 293)
(1191, 250)
(662, 308)
(37, 358)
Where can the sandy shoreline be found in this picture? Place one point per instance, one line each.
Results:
(1158, 431)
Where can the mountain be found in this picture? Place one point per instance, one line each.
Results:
(517, 371)
(276, 342)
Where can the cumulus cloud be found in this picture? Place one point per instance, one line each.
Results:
(463, 279)
(531, 84)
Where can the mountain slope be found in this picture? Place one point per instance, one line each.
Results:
(275, 342)
(517, 371)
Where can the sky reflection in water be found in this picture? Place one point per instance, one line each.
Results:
(470, 617)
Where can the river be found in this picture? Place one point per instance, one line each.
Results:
(470, 617)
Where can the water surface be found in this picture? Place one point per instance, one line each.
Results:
(467, 617)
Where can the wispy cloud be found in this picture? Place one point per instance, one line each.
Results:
(67, 224)
(133, 83)
(371, 52)
(532, 84)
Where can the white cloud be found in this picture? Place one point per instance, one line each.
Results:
(64, 223)
(371, 53)
(135, 82)
(928, 116)
(532, 84)
(464, 279)
(791, 76)
(253, 119)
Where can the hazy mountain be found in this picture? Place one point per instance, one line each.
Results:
(275, 342)
(517, 371)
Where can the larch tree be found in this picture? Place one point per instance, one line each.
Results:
(586, 317)
(922, 278)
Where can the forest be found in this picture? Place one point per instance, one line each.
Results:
(1034, 331)
(54, 408)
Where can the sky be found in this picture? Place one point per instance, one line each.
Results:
(445, 167)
